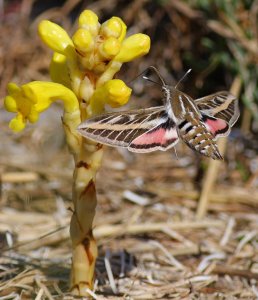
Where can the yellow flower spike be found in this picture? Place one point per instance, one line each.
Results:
(110, 48)
(83, 40)
(58, 70)
(56, 38)
(91, 86)
(89, 20)
(113, 27)
(33, 98)
(133, 47)
(114, 93)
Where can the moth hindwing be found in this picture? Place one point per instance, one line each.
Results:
(197, 122)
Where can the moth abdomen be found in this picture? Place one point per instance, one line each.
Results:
(197, 137)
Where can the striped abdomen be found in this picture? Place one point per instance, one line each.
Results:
(196, 135)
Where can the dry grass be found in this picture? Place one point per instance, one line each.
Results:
(151, 244)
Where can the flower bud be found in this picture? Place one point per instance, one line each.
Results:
(114, 93)
(110, 48)
(55, 37)
(89, 20)
(133, 47)
(114, 27)
(118, 92)
(83, 40)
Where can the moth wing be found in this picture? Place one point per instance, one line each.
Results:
(219, 112)
(221, 105)
(123, 128)
(161, 137)
(218, 127)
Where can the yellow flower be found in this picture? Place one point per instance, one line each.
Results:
(89, 20)
(56, 38)
(83, 40)
(133, 47)
(82, 69)
(110, 48)
(100, 49)
(33, 98)
(114, 27)
(114, 93)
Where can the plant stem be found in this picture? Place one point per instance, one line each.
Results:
(85, 201)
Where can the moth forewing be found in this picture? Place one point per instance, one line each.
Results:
(142, 130)
(223, 105)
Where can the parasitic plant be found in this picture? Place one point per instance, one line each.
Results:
(82, 71)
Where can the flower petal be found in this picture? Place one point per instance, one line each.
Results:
(55, 37)
(44, 93)
(18, 123)
(12, 88)
(33, 115)
(10, 104)
(133, 47)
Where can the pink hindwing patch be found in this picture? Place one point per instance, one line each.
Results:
(159, 138)
(217, 127)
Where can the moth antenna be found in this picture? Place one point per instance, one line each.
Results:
(158, 74)
(183, 78)
(150, 80)
(147, 78)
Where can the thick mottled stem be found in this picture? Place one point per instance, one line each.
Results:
(85, 201)
(87, 157)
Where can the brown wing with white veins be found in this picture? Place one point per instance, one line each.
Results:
(221, 105)
(140, 131)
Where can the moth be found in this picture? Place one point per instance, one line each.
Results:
(197, 122)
